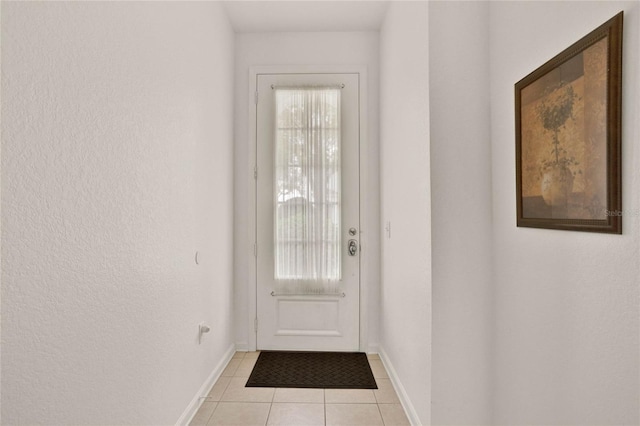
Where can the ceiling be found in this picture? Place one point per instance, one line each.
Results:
(284, 16)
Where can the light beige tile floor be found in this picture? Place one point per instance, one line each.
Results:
(230, 403)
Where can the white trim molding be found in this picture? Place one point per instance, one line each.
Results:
(367, 226)
(242, 347)
(412, 415)
(204, 390)
(373, 348)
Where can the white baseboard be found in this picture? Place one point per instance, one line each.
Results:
(242, 347)
(397, 385)
(204, 390)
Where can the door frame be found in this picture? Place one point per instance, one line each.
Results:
(366, 227)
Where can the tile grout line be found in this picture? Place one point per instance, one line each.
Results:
(380, 412)
(270, 406)
(324, 403)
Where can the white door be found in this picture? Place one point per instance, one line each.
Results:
(307, 212)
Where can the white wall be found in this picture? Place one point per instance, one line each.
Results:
(309, 48)
(460, 212)
(0, 226)
(116, 167)
(405, 320)
(566, 303)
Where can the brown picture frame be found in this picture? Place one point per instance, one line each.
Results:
(568, 133)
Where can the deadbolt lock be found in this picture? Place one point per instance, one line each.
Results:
(353, 247)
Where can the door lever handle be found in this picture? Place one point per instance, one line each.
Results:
(353, 247)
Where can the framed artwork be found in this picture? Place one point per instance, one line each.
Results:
(568, 137)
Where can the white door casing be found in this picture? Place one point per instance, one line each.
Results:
(307, 322)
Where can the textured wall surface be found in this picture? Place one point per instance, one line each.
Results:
(460, 212)
(405, 318)
(566, 303)
(116, 169)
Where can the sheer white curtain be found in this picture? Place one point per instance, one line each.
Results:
(307, 191)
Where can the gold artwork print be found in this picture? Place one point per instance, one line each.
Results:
(564, 139)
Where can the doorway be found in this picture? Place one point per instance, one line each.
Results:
(307, 211)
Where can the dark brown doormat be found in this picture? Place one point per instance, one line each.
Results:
(328, 370)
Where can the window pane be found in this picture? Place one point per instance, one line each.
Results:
(307, 190)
